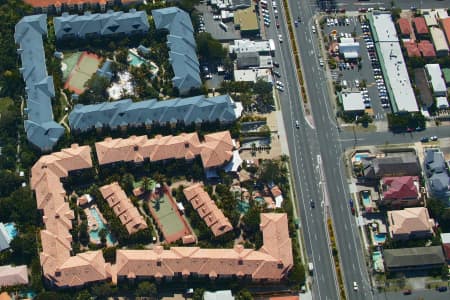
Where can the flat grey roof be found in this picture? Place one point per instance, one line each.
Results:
(410, 257)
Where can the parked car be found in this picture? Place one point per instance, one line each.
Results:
(441, 288)
(297, 124)
(407, 292)
(276, 73)
(355, 286)
(425, 139)
(312, 203)
(433, 138)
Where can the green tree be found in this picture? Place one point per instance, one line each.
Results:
(209, 49)
(102, 291)
(198, 294)
(84, 235)
(84, 295)
(146, 289)
(24, 247)
(102, 234)
(244, 294)
(127, 182)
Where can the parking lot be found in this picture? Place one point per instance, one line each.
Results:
(365, 75)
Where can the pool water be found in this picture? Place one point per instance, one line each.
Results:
(379, 238)
(94, 234)
(135, 60)
(359, 156)
(11, 230)
(366, 198)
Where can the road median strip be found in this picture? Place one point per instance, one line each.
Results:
(336, 259)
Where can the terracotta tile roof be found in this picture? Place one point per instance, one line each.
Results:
(405, 26)
(412, 49)
(271, 263)
(445, 23)
(216, 150)
(207, 209)
(5, 296)
(10, 276)
(410, 220)
(57, 216)
(123, 208)
(420, 25)
(427, 48)
(404, 187)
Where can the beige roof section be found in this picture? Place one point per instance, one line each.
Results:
(56, 261)
(123, 208)
(271, 262)
(214, 151)
(207, 209)
(10, 275)
(410, 220)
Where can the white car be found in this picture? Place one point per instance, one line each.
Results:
(279, 83)
(274, 4)
(280, 88)
(280, 38)
(313, 29)
(355, 286)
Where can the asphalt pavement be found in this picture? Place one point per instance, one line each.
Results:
(316, 154)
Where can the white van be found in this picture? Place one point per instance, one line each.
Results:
(310, 267)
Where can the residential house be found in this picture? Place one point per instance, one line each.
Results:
(42, 131)
(215, 151)
(410, 223)
(392, 164)
(5, 238)
(412, 49)
(439, 41)
(445, 238)
(61, 5)
(126, 113)
(271, 263)
(426, 48)
(123, 208)
(218, 295)
(207, 209)
(405, 27)
(181, 41)
(10, 276)
(445, 23)
(413, 259)
(400, 191)
(437, 175)
(59, 268)
(109, 23)
(436, 80)
(421, 27)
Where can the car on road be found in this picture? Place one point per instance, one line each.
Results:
(276, 73)
(355, 286)
(280, 38)
(312, 203)
(441, 288)
(279, 83)
(433, 138)
(313, 28)
(296, 23)
(276, 64)
(407, 292)
(278, 24)
(425, 139)
(321, 62)
(297, 124)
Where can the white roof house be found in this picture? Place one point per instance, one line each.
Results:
(393, 64)
(5, 239)
(218, 295)
(436, 80)
(430, 19)
(442, 102)
(349, 48)
(245, 46)
(253, 75)
(439, 41)
(352, 102)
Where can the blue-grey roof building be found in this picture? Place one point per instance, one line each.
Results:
(181, 41)
(437, 174)
(42, 131)
(126, 113)
(109, 23)
(106, 70)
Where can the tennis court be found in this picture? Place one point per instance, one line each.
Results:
(86, 66)
(166, 215)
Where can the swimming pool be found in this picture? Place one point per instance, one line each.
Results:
(94, 234)
(377, 259)
(379, 238)
(11, 230)
(365, 195)
(358, 156)
(135, 60)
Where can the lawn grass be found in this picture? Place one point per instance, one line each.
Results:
(5, 103)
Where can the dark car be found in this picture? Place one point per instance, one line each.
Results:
(425, 139)
(312, 204)
(441, 288)
(407, 292)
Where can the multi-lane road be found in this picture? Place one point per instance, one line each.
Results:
(316, 151)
